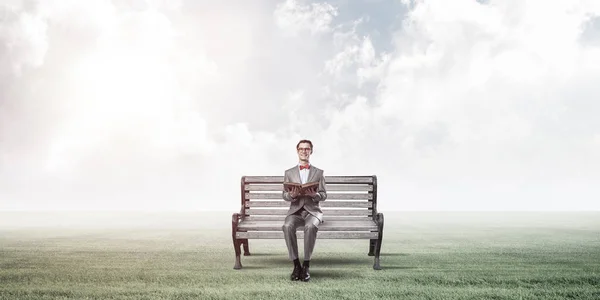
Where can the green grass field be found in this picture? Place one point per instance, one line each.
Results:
(190, 256)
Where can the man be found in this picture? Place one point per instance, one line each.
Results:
(304, 209)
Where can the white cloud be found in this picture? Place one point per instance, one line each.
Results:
(494, 76)
(362, 54)
(295, 16)
(23, 39)
(147, 105)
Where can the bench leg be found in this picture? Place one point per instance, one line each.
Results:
(372, 244)
(246, 249)
(376, 264)
(236, 242)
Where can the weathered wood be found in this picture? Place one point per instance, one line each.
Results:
(326, 226)
(242, 186)
(330, 196)
(330, 187)
(346, 204)
(300, 235)
(328, 179)
(374, 193)
(328, 218)
(329, 212)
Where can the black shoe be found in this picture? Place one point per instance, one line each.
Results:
(296, 273)
(305, 273)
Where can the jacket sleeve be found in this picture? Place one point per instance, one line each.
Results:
(286, 195)
(322, 192)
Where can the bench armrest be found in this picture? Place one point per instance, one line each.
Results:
(236, 218)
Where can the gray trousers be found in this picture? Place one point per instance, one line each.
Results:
(311, 226)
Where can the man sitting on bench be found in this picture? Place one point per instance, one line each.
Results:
(304, 208)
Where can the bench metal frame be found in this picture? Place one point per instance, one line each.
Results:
(350, 212)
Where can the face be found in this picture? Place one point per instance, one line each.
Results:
(304, 151)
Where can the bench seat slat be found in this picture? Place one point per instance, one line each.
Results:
(328, 179)
(281, 203)
(330, 187)
(330, 196)
(326, 226)
(300, 235)
(330, 212)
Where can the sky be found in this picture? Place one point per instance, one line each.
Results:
(164, 105)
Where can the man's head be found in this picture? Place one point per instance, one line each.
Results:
(305, 149)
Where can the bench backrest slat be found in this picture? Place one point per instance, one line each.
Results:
(330, 187)
(353, 204)
(328, 212)
(281, 218)
(328, 179)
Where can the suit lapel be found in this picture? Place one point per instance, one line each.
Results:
(296, 173)
(311, 174)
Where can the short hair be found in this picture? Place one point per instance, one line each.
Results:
(305, 141)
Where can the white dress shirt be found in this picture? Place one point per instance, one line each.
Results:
(303, 174)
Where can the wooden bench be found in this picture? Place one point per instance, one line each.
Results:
(349, 212)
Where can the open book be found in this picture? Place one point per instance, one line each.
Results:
(288, 186)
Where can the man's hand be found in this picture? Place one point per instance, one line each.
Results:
(295, 192)
(311, 193)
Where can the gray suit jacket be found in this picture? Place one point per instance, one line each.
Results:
(311, 205)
